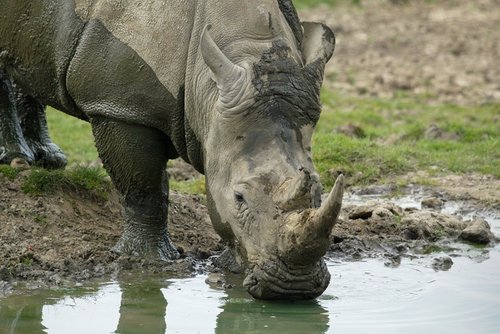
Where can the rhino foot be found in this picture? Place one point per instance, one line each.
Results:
(8, 155)
(48, 155)
(158, 248)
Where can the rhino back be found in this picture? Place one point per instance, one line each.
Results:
(37, 41)
(119, 59)
(130, 63)
(157, 31)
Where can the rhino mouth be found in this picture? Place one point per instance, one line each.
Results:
(273, 279)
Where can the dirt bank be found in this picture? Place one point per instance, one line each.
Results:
(67, 237)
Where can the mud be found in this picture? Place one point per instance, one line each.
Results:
(443, 51)
(67, 237)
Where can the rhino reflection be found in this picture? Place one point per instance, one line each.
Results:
(142, 308)
(241, 315)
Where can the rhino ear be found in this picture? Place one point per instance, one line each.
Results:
(317, 46)
(224, 72)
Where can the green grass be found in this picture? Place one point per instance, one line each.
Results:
(73, 136)
(394, 142)
(91, 181)
(9, 172)
(195, 186)
(75, 139)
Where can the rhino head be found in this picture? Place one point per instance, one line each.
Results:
(264, 195)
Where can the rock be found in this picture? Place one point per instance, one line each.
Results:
(435, 132)
(374, 209)
(351, 130)
(478, 232)
(442, 263)
(430, 225)
(19, 163)
(215, 279)
(432, 202)
(4, 288)
(5, 274)
(361, 212)
(393, 261)
(382, 212)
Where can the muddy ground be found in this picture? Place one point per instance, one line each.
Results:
(67, 237)
(442, 50)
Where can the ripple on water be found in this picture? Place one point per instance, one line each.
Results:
(465, 299)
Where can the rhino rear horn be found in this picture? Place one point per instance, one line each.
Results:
(223, 70)
(318, 45)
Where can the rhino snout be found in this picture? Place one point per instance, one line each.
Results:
(273, 279)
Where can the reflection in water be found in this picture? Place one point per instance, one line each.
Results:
(195, 307)
(21, 316)
(88, 312)
(142, 308)
(26, 314)
(243, 315)
(192, 306)
(414, 298)
(369, 298)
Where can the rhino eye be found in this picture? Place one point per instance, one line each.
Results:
(239, 199)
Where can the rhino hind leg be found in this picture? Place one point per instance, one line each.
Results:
(34, 125)
(135, 157)
(12, 142)
(23, 129)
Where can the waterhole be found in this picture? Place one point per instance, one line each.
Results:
(366, 296)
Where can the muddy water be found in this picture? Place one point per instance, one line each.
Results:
(367, 296)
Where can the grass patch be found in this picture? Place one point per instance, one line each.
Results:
(73, 136)
(196, 186)
(9, 172)
(396, 143)
(92, 181)
(41, 181)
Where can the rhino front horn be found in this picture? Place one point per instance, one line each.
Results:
(326, 216)
(305, 236)
(223, 70)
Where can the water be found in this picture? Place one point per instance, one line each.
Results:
(363, 297)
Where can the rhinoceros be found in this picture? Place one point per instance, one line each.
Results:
(230, 86)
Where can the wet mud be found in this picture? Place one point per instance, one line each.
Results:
(66, 238)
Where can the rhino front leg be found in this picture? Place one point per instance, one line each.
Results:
(135, 157)
(12, 142)
(34, 125)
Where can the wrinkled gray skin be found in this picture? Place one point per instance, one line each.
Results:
(231, 86)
